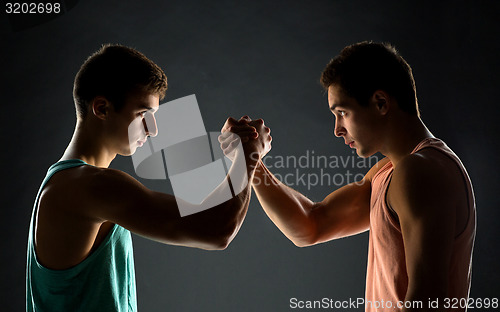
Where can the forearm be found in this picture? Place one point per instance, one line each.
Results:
(214, 228)
(240, 176)
(287, 208)
(229, 215)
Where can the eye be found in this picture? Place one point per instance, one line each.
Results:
(342, 113)
(142, 114)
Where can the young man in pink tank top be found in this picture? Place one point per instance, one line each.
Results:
(417, 203)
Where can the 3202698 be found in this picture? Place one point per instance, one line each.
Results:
(32, 8)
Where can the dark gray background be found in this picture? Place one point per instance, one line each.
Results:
(264, 59)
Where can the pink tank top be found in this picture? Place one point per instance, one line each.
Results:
(386, 279)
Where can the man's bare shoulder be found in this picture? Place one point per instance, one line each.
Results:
(67, 184)
(420, 169)
(426, 165)
(427, 178)
(86, 177)
(83, 186)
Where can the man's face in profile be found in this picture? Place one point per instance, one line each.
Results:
(134, 122)
(357, 125)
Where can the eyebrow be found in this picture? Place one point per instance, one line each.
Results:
(149, 108)
(334, 106)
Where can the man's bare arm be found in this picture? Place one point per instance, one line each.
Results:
(343, 213)
(424, 196)
(120, 199)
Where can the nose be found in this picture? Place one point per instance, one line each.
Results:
(150, 126)
(339, 129)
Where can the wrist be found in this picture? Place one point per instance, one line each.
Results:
(252, 160)
(258, 173)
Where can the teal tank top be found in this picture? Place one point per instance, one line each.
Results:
(104, 281)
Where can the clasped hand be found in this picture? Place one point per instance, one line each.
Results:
(254, 135)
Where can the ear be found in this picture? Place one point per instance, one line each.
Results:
(101, 107)
(382, 101)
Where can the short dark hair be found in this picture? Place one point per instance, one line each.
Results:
(115, 71)
(363, 68)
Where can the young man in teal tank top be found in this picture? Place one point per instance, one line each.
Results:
(417, 203)
(79, 250)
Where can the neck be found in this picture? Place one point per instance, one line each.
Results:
(403, 135)
(87, 145)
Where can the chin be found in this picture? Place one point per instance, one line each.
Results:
(363, 153)
(128, 152)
